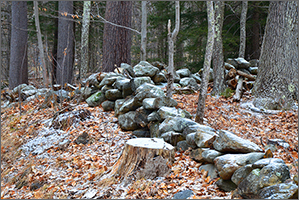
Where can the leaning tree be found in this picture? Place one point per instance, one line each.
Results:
(276, 85)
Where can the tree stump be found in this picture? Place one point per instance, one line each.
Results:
(143, 158)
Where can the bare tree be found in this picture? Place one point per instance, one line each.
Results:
(117, 40)
(207, 63)
(84, 39)
(40, 45)
(65, 50)
(143, 30)
(218, 69)
(18, 69)
(243, 29)
(171, 40)
(276, 85)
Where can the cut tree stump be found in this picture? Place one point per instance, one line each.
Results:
(143, 158)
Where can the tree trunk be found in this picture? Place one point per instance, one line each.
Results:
(255, 44)
(143, 158)
(207, 62)
(243, 29)
(218, 68)
(40, 45)
(18, 69)
(171, 40)
(54, 50)
(276, 85)
(143, 31)
(84, 40)
(65, 50)
(117, 41)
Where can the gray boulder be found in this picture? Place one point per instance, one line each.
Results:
(189, 82)
(143, 68)
(130, 104)
(229, 142)
(172, 137)
(279, 191)
(196, 77)
(204, 138)
(177, 124)
(156, 103)
(229, 163)
(154, 129)
(119, 83)
(248, 188)
(109, 80)
(148, 90)
(190, 140)
(242, 63)
(165, 112)
(127, 121)
(241, 173)
(128, 68)
(141, 133)
(182, 146)
(183, 194)
(204, 155)
(124, 85)
(198, 127)
(108, 105)
(117, 106)
(113, 94)
(266, 161)
(160, 65)
(228, 66)
(141, 117)
(106, 87)
(253, 70)
(273, 174)
(93, 79)
(136, 82)
(154, 116)
(183, 73)
(211, 169)
(96, 99)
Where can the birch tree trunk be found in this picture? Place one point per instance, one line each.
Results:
(171, 40)
(218, 61)
(40, 45)
(243, 29)
(143, 31)
(84, 39)
(276, 86)
(207, 62)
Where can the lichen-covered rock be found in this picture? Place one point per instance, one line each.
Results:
(165, 112)
(108, 105)
(172, 137)
(248, 188)
(204, 138)
(127, 121)
(136, 82)
(183, 73)
(177, 124)
(189, 82)
(197, 127)
(117, 106)
(241, 173)
(128, 68)
(159, 78)
(96, 99)
(196, 77)
(230, 143)
(190, 140)
(229, 163)
(156, 103)
(119, 83)
(130, 104)
(279, 191)
(266, 161)
(154, 129)
(148, 90)
(143, 68)
(154, 116)
(273, 174)
(242, 63)
(113, 94)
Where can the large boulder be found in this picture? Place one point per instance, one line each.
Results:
(229, 163)
(109, 79)
(196, 77)
(189, 82)
(124, 85)
(177, 124)
(108, 105)
(204, 155)
(242, 63)
(117, 106)
(154, 129)
(273, 174)
(172, 137)
(197, 127)
(141, 117)
(165, 112)
(204, 138)
(130, 104)
(241, 173)
(96, 99)
(113, 94)
(190, 140)
(159, 78)
(156, 103)
(127, 121)
(143, 68)
(228, 142)
(183, 73)
(287, 190)
(128, 68)
(154, 116)
(148, 90)
(93, 80)
(136, 82)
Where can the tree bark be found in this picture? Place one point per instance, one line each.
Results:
(65, 50)
(54, 50)
(276, 85)
(218, 60)
(143, 31)
(243, 29)
(84, 40)
(117, 41)
(18, 69)
(207, 63)
(40, 45)
(171, 40)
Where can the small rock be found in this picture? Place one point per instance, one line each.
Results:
(108, 105)
(127, 121)
(182, 146)
(141, 133)
(172, 137)
(96, 99)
(82, 138)
(241, 173)
(183, 194)
(113, 94)
(266, 161)
(211, 169)
(226, 185)
(183, 73)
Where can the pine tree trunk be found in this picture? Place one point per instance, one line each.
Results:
(54, 50)
(40, 45)
(218, 68)
(171, 40)
(243, 29)
(143, 31)
(276, 85)
(18, 69)
(84, 39)
(117, 41)
(65, 50)
(207, 63)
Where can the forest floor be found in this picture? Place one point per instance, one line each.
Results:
(73, 172)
